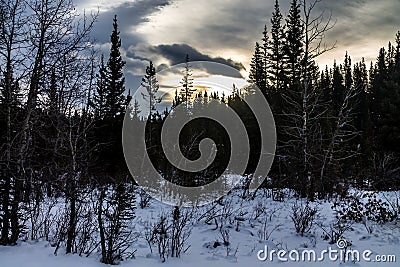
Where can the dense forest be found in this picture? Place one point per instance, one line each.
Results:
(337, 126)
(62, 106)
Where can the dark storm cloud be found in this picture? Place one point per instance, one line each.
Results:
(176, 54)
(356, 21)
(130, 15)
(362, 20)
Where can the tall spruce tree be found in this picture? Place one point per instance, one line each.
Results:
(187, 90)
(257, 71)
(150, 83)
(338, 88)
(275, 55)
(293, 47)
(265, 63)
(109, 104)
(348, 77)
(378, 78)
(99, 99)
(362, 120)
(397, 53)
(136, 109)
(115, 82)
(290, 145)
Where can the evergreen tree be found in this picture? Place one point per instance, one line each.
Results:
(177, 99)
(293, 46)
(136, 109)
(338, 88)
(390, 56)
(187, 90)
(109, 104)
(348, 79)
(326, 83)
(257, 73)
(397, 53)
(99, 99)
(116, 211)
(386, 99)
(363, 119)
(276, 45)
(292, 131)
(115, 82)
(378, 77)
(150, 83)
(53, 94)
(265, 64)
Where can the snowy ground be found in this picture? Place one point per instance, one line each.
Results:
(245, 241)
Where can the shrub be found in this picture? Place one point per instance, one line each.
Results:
(303, 217)
(354, 209)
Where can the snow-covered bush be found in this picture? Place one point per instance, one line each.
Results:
(259, 210)
(160, 235)
(266, 230)
(85, 228)
(221, 214)
(225, 236)
(170, 233)
(350, 208)
(303, 217)
(335, 231)
(267, 227)
(40, 213)
(180, 231)
(378, 210)
(145, 198)
(361, 207)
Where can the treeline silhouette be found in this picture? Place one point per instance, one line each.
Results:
(337, 126)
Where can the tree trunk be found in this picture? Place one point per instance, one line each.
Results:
(101, 226)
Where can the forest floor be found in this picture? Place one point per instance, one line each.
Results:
(252, 225)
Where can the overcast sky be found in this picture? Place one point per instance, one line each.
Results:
(225, 30)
